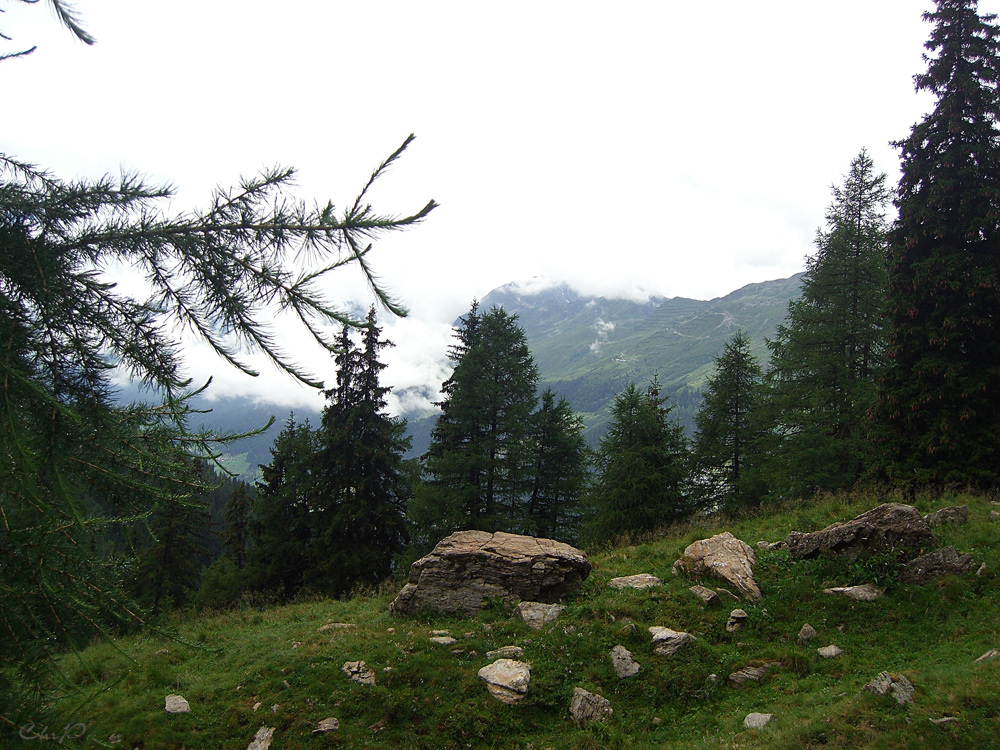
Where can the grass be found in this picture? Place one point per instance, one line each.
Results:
(429, 696)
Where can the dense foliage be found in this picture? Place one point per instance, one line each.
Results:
(941, 396)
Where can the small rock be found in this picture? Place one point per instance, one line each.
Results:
(257, 705)
(443, 640)
(829, 652)
(630, 628)
(668, 642)
(163, 652)
(956, 514)
(866, 592)
(390, 630)
(261, 740)
(506, 652)
(296, 644)
(507, 679)
(639, 581)
(995, 515)
(708, 597)
(286, 683)
(991, 654)
(114, 739)
(586, 706)
(623, 663)
(329, 724)
(538, 614)
(752, 673)
(807, 633)
(981, 571)
(440, 632)
(175, 704)
(737, 618)
(275, 708)
(359, 672)
(891, 682)
(727, 594)
(757, 721)
(943, 720)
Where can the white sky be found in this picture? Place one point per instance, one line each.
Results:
(683, 149)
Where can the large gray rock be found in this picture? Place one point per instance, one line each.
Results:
(885, 683)
(262, 739)
(176, 704)
(638, 581)
(470, 567)
(725, 558)
(668, 642)
(623, 662)
(892, 528)
(538, 614)
(865, 592)
(940, 562)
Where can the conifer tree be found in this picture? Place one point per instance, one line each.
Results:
(641, 467)
(826, 356)
(479, 460)
(359, 483)
(559, 472)
(940, 402)
(728, 439)
(236, 536)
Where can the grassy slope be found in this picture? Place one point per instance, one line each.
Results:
(429, 695)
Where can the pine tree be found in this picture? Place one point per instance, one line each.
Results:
(940, 401)
(479, 460)
(728, 438)
(359, 483)
(560, 470)
(642, 467)
(826, 356)
(236, 536)
(281, 527)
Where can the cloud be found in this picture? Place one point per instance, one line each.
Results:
(603, 329)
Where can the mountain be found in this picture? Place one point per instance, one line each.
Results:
(589, 348)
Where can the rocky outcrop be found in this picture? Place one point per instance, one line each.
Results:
(358, 671)
(940, 562)
(725, 558)
(262, 739)
(890, 529)
(470, 567)
(506, 679)
(586, 707)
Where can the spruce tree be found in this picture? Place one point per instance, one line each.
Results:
(641, 466)
(559, 472)
(479, 461)
(940, 401)
(728, 439)
(826, 356)
(236, 536)
(359, 482)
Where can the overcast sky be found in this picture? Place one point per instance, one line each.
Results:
(682, 149)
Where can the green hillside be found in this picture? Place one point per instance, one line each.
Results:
(274, 667)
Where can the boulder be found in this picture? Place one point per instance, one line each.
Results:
(940, 562)
(892, 528)
(623, 663)
(638, 581)
(668, 642)
(470, 567)
(866, 592)
(891, 682)
(725, 558)
(538, 614)
(956, 514)
(506, 679)
(807, 633)
(586, 706)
